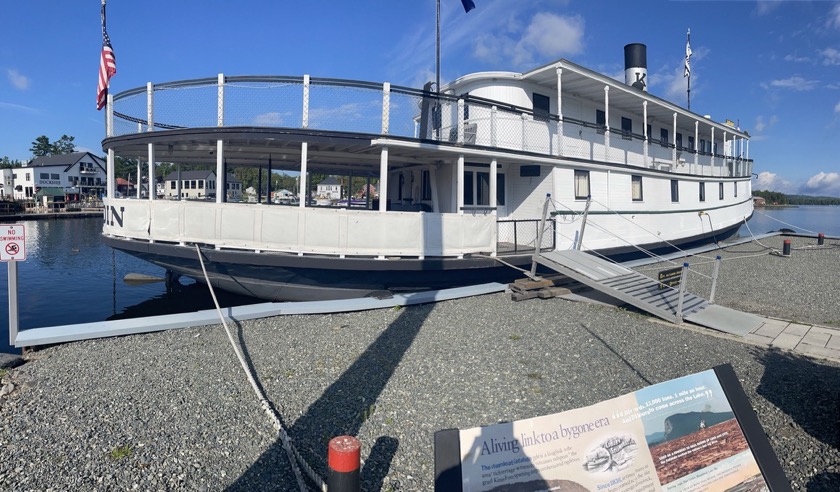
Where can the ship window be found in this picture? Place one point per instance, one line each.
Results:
(716, 148)
(720, 191)
(483, 188)
(626, 128)
(690, 142)
(527, 171)
(636, 187)
(400, 187)
(702, 192)
(477, 188)
(500, 189)
(675, 190)
(663, 137)
(702, 145)
(600, 120)
(426, 187)
(542, 107)
(581, 185)
(468, 188)
(649, 132)
(735, 187)
(679, 141)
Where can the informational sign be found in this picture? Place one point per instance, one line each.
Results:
(670, 277)
(12, 242)
(692, 433)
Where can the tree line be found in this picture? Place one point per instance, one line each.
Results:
(779, 198)
(127, 168)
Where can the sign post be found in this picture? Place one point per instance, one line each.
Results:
(12, 250)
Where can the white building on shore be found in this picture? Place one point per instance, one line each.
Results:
(198, 185)
(79, 173)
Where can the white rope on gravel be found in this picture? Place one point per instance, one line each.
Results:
(291, 452)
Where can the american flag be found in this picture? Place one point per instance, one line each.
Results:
(107, 65)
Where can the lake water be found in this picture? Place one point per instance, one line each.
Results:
(70, 277)
(806, 219)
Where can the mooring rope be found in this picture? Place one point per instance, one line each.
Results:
(783, 222)
(291, 452)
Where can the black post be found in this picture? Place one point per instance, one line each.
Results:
(268, 185)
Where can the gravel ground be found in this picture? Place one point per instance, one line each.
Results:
(174, 411)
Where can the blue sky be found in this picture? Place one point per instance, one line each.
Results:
(771, 66)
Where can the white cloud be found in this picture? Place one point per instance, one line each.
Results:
(28, 109)
(18, 80)
(764, 7)
(830, 56)
(834, 16)
(837, 108)
(269, 119)
(546, 37)
(761, 125)
(772, 182)
(676, 85)
(823, 184)
(553, 35)
(673, 78)
(796, 58)
(796, 83)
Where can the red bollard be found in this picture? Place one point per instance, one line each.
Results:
(786, 248)
(343, 461)
(820, 239)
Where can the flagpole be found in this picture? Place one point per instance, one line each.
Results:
(437, 49)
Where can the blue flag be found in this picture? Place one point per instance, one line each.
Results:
(468, 5)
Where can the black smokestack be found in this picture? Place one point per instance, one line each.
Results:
(635, 66)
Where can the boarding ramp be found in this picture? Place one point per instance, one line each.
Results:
(645, 293)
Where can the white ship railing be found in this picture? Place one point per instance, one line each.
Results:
(382, 109)
(301, 230)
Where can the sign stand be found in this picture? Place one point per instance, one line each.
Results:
(13, 250)
(13, 303)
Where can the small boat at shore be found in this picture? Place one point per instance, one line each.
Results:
(462, 177)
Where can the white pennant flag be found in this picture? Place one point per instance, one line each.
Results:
(687, 55)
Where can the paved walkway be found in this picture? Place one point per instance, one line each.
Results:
(813, 340)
